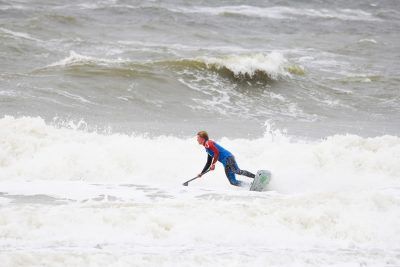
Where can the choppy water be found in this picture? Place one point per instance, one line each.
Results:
(307, 89)
(314, 68)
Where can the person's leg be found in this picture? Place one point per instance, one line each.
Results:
(232, 179)
(239, 171)
(230, 174)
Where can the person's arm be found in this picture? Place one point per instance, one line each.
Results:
(208, 164)
(210, 144)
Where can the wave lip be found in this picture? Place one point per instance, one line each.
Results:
(251, 67)
(258, 66)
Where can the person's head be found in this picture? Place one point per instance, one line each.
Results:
(202, 137)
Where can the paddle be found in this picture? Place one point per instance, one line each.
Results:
(187, 182)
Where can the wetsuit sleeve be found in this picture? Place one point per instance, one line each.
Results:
(210, 144)
(208, 164)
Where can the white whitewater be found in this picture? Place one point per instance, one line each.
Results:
(71, 198)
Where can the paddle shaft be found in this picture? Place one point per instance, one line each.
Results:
(187, 182)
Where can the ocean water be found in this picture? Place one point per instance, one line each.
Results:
(100, 102)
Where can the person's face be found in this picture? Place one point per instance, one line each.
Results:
(200, 140)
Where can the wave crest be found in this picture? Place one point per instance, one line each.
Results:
(248, 68)
(254, 67)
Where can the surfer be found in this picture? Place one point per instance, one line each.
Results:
(218, 153)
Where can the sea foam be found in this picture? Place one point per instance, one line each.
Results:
(119, 198)
(34, 150)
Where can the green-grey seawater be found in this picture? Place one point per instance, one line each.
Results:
(314, 68)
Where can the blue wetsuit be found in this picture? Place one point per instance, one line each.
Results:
(216, 152)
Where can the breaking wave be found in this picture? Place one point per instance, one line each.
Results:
(256, 67)
(32, 150)
(250, 67)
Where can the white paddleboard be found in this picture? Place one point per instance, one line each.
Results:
(261, 180)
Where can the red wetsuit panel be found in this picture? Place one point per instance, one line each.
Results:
(210, 144)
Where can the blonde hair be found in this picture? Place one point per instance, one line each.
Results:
(203, 134)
